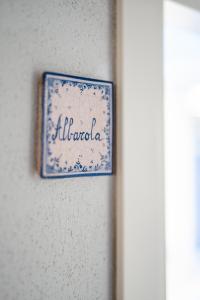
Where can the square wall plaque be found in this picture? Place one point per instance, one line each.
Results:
(76, 127)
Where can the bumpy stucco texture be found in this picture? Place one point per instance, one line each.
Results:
(55, 235)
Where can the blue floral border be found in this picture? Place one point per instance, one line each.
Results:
(50, 86)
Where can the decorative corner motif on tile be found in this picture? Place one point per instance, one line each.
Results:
(77, 126)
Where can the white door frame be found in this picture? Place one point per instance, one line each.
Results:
(140, 150)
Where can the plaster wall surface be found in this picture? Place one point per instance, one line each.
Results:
(55, 235)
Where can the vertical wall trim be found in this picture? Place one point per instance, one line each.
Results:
(140, 240)
(119, 170)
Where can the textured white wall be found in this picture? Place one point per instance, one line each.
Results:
(55, 235)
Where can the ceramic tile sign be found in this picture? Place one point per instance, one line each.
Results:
(77, 126)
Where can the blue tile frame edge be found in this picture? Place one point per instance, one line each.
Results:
(42, 124)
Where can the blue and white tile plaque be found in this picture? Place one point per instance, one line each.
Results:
(76, 127)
